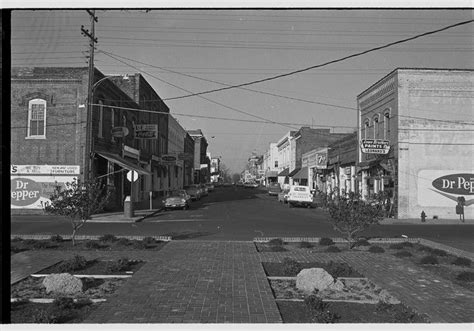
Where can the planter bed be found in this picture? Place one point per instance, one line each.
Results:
(336, 269)
(29, 312)
(297, 312)
(96, 268)
(296, 246)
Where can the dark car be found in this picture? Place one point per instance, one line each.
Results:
(177, 199)
(194, 191)
(273, 189)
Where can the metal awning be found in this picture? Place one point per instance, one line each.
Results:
(294, 172)
(284, 173)
(271, 174)
(302, 174)
(120, 161)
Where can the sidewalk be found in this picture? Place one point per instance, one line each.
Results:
(429, 221)
(142, 211)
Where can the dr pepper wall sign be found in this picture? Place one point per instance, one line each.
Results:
(32, 185)
(441, 188)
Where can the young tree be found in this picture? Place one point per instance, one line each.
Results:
(78, 201)
(351, 215)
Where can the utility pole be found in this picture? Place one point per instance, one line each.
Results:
(89, 139)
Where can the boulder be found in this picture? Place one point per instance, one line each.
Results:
(319, 279)
(62, 284)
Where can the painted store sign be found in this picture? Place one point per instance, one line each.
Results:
(440, 188)
(32, 185)
(375, 146)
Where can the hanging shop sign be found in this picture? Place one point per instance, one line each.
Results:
(375, 146)
(168, 159)
(321, 160)
(146, 131)
(119, 131)
(31, 186)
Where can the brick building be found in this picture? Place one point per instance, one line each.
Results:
(202, 163)
(50, 125)
(416, 137)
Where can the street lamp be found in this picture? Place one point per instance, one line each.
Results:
(89, 140)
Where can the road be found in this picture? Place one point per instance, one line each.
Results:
(236, 213)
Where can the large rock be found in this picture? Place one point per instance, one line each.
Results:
(62, 284)
(319, 279)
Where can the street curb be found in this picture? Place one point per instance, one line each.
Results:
(429, 243)
(149, 215)
(84, 237)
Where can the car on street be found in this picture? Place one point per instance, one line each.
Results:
(204, 190)
(273, 188)
(177, 199)
(210, 187)
(194, 191)
(300, 196)
(250, 184)
(283, 195)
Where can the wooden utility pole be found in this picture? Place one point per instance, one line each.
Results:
(89, 139)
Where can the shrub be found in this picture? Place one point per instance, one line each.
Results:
(326, 241)
(383, 306)
(44, 316)
(362, 242)
(29, 242)
(439, 252)
(139, 245)
(315, 303)
(276, 242)
(290, 266)
(119, 265)
(123, 242)
(278, 249)
(41, 244)
(403, 254)
(78, 262)
(149, 240)
(108, 238)
(465, 276)
(56, 238)
(64, 303)
(325, 317)
(376, 249)
(305, 244)
(93, 244)
(337, 269)
(462, 261)
(396, 246)
(81, 302)
(333, 249)
(16, 239)
(429, 259)
(425, 249)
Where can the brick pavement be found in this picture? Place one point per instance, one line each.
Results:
(441, 300)
(224, 282)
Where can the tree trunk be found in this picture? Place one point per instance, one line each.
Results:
(73, 237)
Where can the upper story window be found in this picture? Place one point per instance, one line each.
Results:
(366, 129)
(276, 164)
(101, 119)
(386, 133)
(36, 119)
(376, 127)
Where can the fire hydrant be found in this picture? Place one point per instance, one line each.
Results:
(423, 216)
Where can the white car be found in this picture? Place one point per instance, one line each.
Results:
(300, 196)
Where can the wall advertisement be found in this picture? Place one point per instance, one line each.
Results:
(32, 185)
(442, 188)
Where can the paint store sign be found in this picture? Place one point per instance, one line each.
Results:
(24, 191)
(462, 184)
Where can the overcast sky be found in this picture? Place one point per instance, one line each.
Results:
(219, 47)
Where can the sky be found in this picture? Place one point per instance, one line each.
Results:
(181, 52)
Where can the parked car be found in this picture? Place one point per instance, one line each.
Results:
(177, 199)
(273, 189)
(250, 185)
(300, 196)
(283, 195)
(194, 191)
(210, 187)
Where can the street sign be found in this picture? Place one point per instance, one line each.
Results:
(146, 131)
(375, 146)
(132, 176)
(119, 131)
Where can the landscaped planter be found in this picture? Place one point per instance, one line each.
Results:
(96, 268)
(334, 269)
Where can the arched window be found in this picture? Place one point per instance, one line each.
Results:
(386, 122)
(101, 119)
(376, 127)
(36, 119)
(366, 129)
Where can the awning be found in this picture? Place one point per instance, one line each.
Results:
(294, 172)
(271, 174)
(120, 161)
(302, 174)
(284, 173)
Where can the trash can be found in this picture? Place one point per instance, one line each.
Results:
(128, 211)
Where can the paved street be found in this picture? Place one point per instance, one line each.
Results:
(235, 213)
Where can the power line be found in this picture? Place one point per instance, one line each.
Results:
(326, 63)
(251, 90)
